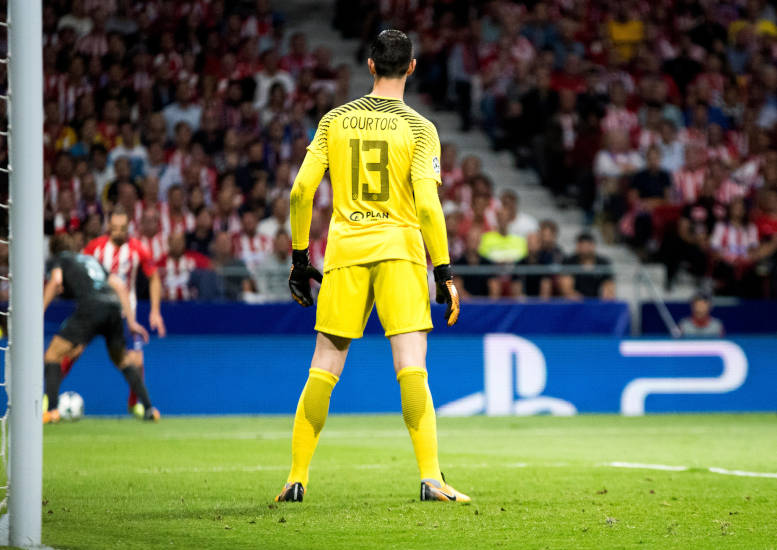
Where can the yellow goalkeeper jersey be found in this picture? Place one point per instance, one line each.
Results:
(376, 149)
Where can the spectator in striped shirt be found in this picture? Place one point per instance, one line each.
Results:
(688, 243)
(612, 168)
(177, 267)
(734, 246)
(689, 180)
(96, 42)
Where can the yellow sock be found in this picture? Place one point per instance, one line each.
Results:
(418, 412)
(312, 410)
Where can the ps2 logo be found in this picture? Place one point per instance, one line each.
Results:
(514, 366)
(733, 375)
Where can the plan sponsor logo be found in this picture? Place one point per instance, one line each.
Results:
(358, 216)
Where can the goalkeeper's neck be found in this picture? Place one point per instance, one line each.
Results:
(389, 87)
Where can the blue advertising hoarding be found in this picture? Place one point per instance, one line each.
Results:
(495, 374)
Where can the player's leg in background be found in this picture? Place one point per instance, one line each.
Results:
(313, 406)
(128, 362)
(65, 366)
(409, 351)
(134, 357)
(59, 349)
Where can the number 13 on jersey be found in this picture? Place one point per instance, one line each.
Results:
(381, 167)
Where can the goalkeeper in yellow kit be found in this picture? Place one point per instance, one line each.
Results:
(383, 161)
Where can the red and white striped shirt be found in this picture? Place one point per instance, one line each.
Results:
(294, 64)
(252, 249)
(179, 159)
(734, 242)
(727, 191)
(749, 173)
(692, 136)
(156, 245)
(93, 44)
(53, 185)
(66, 223)
(123, 260)
(137, 215)
(175, 223)
(173, 60)
(647, 138)
(256, 26)
(715, 83)
(176, 272)
(687, 184)
(67, 94)
(619, 118)
(231, 224)
(724, 153)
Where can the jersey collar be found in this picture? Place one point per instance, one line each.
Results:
(384, 97)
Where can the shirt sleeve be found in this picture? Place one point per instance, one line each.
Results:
(90, 247)
(301, 199)
(426, 155)
(146, 262)
(432, 221)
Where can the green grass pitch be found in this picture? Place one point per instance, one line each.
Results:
(208, 483)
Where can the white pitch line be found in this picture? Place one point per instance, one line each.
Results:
(641, 466)
(389, 466)
(742, 473)
(670, 468)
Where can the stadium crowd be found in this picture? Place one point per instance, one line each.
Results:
(657, 118)
(193, 117)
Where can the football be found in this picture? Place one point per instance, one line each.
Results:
(71, 406)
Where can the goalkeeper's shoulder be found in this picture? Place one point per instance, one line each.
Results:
(417, 120)
(423, 130)
(352, 105)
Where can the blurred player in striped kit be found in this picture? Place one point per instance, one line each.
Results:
(123, 255)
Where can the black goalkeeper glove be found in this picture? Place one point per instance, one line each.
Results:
(299, 278)
(447, 293)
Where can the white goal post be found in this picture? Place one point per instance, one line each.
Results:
(25, 341)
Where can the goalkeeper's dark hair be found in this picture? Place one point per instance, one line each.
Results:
(391, 51)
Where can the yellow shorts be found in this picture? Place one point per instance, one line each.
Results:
(399, 289)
